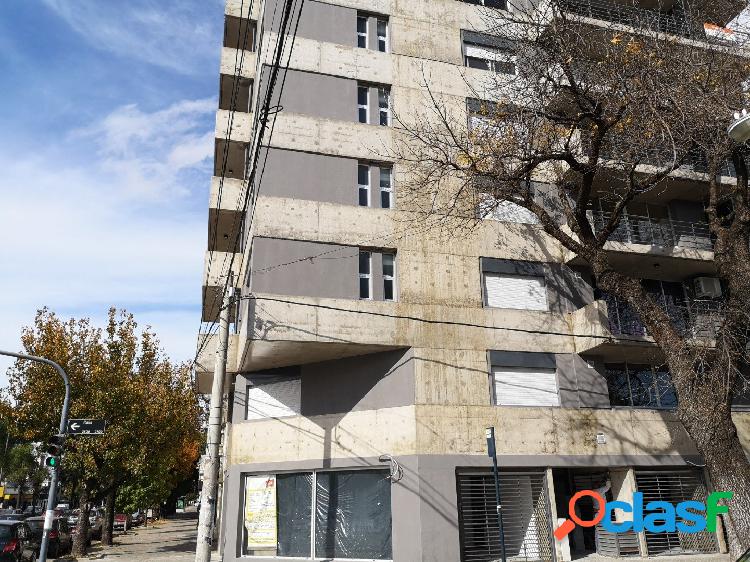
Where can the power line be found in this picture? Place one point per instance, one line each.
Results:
(258, 137)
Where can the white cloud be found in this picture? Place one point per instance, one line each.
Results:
(177, 35)
(118, 221)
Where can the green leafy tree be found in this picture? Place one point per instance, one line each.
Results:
(119, 376)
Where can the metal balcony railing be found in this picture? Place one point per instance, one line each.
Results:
(700, 319)
(631, 14)
(633, 229)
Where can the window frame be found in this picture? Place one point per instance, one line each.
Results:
(367, 275)
(386, 37)
(496, 47)
(366, 34)
(385, 91)
(365, 106)
(364, 187)
(389, 189)
(657, 374)
(389, 278)
(314, 472)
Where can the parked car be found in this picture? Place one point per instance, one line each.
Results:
(95, 523)
(138, 518)
(72, 521)
(13, 517)
(16, 544)
(123, 522)
(60, 538)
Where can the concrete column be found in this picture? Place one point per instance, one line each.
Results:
(623, 487)
(562, 548)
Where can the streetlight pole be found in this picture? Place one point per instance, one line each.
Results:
(207, 513)
(52, 495)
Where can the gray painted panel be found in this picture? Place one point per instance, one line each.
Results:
(329, 23)
(313, 177)
(333, 275)
(591, 383)
(365, 382)
(320, 95)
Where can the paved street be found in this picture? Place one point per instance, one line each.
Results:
(171, 540)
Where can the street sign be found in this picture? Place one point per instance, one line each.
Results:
(86, 427)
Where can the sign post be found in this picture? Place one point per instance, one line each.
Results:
(492, 453)
(86, 427)
(55, 470)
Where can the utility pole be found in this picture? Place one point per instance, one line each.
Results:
(55, 470)
(207, 514)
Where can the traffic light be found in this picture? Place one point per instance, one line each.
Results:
(54, 450)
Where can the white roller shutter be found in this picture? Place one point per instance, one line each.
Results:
(521, 386)
(486, 53)
(522, 292)
(274, 400)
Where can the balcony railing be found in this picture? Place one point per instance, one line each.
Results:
(700, 319)
(633, 229)
(633, 15)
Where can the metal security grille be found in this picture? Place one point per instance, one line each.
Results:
(526, 519)
(675, 487)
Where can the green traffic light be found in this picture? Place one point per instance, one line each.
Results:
(51, 461)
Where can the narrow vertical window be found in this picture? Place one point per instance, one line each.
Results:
(389, 266)
(383, 36)
(386, 188)
(384, 95)
(363, 179)
(362, 32)
(365, 277)
(362, 95)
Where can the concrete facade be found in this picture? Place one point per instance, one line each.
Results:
(357, 384)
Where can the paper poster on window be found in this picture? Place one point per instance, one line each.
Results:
(260, 511)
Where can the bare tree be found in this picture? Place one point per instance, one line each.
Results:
(592, 109)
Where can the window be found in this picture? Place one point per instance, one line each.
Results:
(504, 211)
(365, 275)
(339, 514)
(389, 270)
(640, 386)
(523, 292)
(521, 386)
(386, 188)
(366, 95)
(362, 32)
(496, 55)
(501, 4)
(363, 94)
(382, 35)
(384, 95)
(274, 398)
(363, 180)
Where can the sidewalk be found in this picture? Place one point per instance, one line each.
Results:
(168, 540)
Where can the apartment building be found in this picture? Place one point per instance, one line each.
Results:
(367, 357)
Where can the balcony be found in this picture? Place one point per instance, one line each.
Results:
(696, 319)
(673, 21)
(651, 231)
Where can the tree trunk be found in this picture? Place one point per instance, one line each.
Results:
(108, 522)
(81, 539)
(715, 436)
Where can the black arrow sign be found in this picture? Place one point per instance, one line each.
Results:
(86, 427)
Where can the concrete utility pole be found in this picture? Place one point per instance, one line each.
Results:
(207, 513)
(55, 470)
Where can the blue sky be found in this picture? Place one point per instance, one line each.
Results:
(105, 161)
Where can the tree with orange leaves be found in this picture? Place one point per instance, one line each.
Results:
(152, 413)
